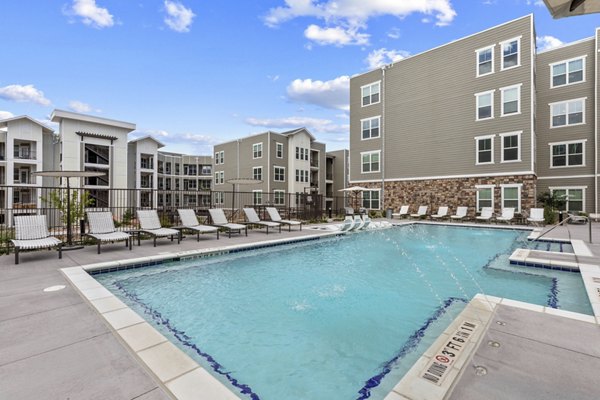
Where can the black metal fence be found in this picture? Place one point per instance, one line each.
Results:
(123, 204)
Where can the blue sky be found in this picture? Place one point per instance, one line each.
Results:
(195, 73)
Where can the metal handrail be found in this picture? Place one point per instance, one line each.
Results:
(564, 221)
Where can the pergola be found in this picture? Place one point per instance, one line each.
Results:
(570, 8)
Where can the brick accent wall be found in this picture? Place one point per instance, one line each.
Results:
(453, 192)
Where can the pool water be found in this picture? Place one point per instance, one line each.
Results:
(339, 318)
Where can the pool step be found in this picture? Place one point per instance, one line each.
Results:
(549, 260)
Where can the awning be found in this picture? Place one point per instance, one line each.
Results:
(570, 8)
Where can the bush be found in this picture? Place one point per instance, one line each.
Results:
(550, 216)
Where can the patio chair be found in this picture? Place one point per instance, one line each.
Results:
(275, 217)
(190, 222)
(366, 222)
(421, 212)
(102, 229)
(253, 219)
(461, 213)
(402, 213)
(441, 214)
(31, 232)
(508, 214)
(348, 224)
(358, 223)
(150, 224)
(487, 213)
(348, 211)
(219, 220)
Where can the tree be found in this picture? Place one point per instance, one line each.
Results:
(552, 203)
(79, 201)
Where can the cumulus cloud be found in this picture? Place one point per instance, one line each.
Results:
(91, 14)
(336, 36)
(178, 18)
(6, 114)
(23, 94)
(380, 57)
(333, 94)
(313, 124)
(548, 42)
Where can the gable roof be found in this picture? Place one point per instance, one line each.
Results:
(4, 123)
(298, 130)
(148, 137)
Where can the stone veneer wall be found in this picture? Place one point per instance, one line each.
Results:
(453, 192)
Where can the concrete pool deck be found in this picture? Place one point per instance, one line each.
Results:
(53, 345)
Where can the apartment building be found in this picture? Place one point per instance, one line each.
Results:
(189, 174)
(337, 173)
(483, 121)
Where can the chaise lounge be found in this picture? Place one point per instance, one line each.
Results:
(253, 219)
(421, 212)
(461, 213)
(102, 229)
(31, 232)
(402, 213)
(220, 221)
(150, 224)
(275, 217)
(190, 222)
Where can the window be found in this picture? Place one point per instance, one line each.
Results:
(301, 175)
(219, 177)
(301, 153)
(257, 197)
(257, 173)
(485, 61)
(257, 150)
(568, 72)
(370, 128)
(218, 197)
(511, 148)
(484, 149)
(573, 197)
(217, 158)
(370, 161)
(567, 154)
(511, 196)
(370, 199)
(370, 94)
(567, 113)
(510, 53)
(485, 105)
(222, 154)
(279, 174)
(279, 150)
(511, 100)
(485, 196)
(279, 197)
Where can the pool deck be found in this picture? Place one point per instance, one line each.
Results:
(55, 345)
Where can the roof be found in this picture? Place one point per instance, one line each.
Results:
(59, 115)
(571, 8)
(148, 137)
(296, 131)
(4, 123)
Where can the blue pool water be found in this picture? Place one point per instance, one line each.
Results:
(339, 318)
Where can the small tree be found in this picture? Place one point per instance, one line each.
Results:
(552, 203)
(78, 203)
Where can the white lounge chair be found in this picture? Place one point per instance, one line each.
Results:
(190, 221)
(253, 219)
(487, 213)
(367, 222)
(348, 211)
(220, 221)
(441, 214)
(275, 217)
(150, 224)
(402, 213)
(348, 224)
(358, 223)
(421, 212)
(102, 229)
(508, 214)
(461, 213)
(31, 232)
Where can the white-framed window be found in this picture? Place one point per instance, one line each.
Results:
(370, 127)
(511, 146)
(484, 149)
(370, 161)
(485, 61)
(257, 197)
(217, 158)
(302, 175)
(218, 199)
(485, 105)
(370, 93)
(370, 199)
(485, 196)
(257, 173)
(278, 150)
(511, 196)
(567, 72)
(219, 178)
(257, 150)
(222, 154)
(567, 154)
(567, 113)
(279, 197)
(510, 98)
(301, 153)
(279, 174)
(216, 178)
(511, 53)
(574, 197)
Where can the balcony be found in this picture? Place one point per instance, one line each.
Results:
(24, 154)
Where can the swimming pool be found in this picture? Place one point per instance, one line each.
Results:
(339, 318)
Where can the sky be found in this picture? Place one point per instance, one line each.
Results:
(194, 73)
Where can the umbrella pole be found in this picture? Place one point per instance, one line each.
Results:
(232, 200)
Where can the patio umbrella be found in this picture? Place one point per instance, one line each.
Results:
(570, 8)
(240, 181)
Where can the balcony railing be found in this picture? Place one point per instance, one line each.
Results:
(24, 154)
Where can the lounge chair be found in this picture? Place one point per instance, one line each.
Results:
(220, 221)
(190, 222)
(275, 217)
(487, 213)
(348, 211)
(461, 213)
(421, 212)
(348, 224)
(358, 223)
(102, 229)
(441, 214)
(508, 214)
(367, 222)
(253, 219)
(402, 213)
(31, 232)
(150, 224)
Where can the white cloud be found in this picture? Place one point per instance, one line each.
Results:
(380, 57)
(337, 36)
(6, 114)
(548, 42)
(394, 33)
(91, 14)
(313, 124)
(332, 94)
(273, 78)
(539, 3)
(24, 93)
(179, 18)
(81, 107)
